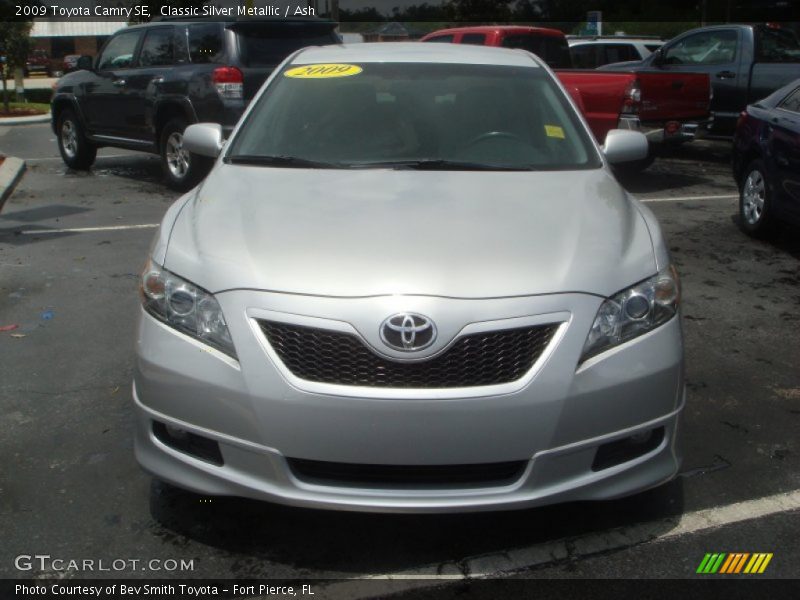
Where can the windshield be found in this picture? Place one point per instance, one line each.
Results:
(264, 45)
(414, 115)
(777, 45)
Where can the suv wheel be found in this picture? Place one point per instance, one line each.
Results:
(755, 201)
(182, 169)
(75, 149)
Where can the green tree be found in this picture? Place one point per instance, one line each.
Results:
(15, 45)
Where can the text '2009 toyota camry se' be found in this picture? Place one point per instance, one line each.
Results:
(410, 283)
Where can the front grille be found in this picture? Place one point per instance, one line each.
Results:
(488, 358)
(430, 476)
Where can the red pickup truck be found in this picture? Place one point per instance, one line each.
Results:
(668, 106)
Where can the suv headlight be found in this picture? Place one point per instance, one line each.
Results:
(186, 307)
(633, 312)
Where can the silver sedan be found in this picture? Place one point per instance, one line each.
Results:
(410, 283)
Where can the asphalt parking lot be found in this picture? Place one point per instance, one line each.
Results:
(71, 246)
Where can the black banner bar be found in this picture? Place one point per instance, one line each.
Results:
(737, 588)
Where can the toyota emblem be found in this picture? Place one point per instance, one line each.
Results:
(408, 332)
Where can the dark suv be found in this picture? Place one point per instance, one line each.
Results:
(151, 81)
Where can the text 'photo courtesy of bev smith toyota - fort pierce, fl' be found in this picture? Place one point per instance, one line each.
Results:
(344, 299)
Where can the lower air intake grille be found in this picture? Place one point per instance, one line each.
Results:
(488, 358)
(489, 474)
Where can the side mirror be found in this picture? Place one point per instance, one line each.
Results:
(623, 146)
(85, 63)
(204, 139)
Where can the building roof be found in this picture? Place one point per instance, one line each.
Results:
(75, 28)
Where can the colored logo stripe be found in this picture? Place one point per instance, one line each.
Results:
(734, 563)
(711, 563)
(737, 562)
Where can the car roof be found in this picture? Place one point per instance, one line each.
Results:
(415, 52)
(612, 39)
(512, 29)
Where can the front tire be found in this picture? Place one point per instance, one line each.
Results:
(182, 170)
(76, 151)
(755, 201)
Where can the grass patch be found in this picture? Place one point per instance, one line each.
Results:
(19, 109)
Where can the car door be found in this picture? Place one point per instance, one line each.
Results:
(614, 52)
(148, 80)
(586, 56)
(717, 53)
(784, 147)
(106, 105)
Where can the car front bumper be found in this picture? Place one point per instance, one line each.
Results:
(553, 420)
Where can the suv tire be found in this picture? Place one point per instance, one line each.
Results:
(182, 170)
(76, 151)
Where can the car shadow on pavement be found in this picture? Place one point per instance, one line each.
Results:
(42, 213)
(785, 239)
(653, 180)
(144, 169)
(363, 543)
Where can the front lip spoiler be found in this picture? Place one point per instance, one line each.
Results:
(256, 447)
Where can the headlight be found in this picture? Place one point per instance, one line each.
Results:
(634, 311)
(186, 307)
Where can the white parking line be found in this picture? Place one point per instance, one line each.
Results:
(58, 158)
(537, 555)
(689, 198)
(88, 229)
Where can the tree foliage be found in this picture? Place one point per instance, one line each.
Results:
(15, 42)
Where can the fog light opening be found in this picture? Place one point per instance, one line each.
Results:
(621, 451)
(177, 433)
(189, 443)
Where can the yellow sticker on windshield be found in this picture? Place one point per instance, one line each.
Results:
(323, 71)
(554, 131)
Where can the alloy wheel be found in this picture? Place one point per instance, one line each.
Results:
(753, 195)
(177, 158)
(69, 138)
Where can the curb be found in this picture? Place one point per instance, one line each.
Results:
(25, 120)
(10, 173)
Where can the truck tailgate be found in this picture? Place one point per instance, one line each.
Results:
(673, 96)
(602, 95)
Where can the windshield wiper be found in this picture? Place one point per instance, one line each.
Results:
(280, 161)
(439, 164)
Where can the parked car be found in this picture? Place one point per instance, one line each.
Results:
(667, 107)
(590, 52)
(410, 283)
(745, 63)
(151, 81)
(38, 63)
(766, 161)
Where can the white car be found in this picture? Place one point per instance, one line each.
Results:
(596, 51)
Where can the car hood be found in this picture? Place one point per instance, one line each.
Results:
(367, 232)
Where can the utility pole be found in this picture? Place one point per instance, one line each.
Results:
(334, 10)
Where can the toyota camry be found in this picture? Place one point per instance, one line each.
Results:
(410, 283)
